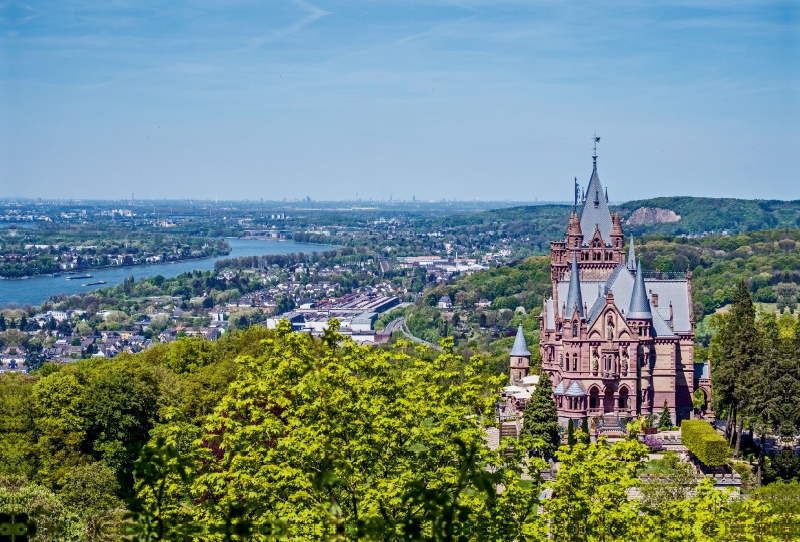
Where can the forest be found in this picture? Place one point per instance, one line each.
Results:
(766, 260)
(273, 433)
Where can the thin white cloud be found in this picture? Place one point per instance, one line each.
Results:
(313, 13)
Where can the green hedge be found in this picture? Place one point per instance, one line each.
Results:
(704, 442)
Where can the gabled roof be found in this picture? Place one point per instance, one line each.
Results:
(520, 346)
(574, 297)
(595, 209)
(595, 310)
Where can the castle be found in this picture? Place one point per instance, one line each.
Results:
(615, 340)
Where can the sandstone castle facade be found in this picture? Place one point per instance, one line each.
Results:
(615, 340)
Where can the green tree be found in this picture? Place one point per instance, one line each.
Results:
(590, 500)
(665, 421)
(585, 437)
(540, 419)
(322, 432)
(91, 492)
(736, 354)
(570, 434)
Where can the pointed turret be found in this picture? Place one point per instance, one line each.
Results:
(617, 235)
(595, 208)
(520, 358)
(574, 298)
(520, 345)
(640, 305)
(631, 264)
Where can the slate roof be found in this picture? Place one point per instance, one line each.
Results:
(640, 305)
(520, 346)
(631, 263)
(551, 315)
(559, 389)
(574, 297)
(575, 389)
(595, 211)
(621, 284)
(701, 370)
(661, 327)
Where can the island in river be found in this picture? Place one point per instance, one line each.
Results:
(39, 289)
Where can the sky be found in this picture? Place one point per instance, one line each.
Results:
(376, 99)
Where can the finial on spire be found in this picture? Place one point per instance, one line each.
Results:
(577, 195)
(596, 141)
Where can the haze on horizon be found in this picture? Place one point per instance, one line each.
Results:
(358, 100)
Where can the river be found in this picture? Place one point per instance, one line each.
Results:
(38, 290)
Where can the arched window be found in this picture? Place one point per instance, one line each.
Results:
(574, 329)
(574, 362)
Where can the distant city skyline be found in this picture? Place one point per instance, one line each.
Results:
(342, 101)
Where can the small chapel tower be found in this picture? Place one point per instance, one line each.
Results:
(520, 357)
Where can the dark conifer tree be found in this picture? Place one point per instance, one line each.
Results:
(665, 421)
(586, 439)
(540, 420)
(736, 359)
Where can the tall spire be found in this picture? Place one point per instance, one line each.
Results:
(595, 205)
(640, 306)
(631, 256)
(520, 345)
(574, 298)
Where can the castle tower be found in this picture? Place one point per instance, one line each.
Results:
(520, 357)
(640, 320)
(615, 343)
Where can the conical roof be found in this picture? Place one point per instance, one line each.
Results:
(574, 293)
(631, 263)
(595, 208)
(640, 305)
(520, 346)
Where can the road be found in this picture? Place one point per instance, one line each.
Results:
(399, 324)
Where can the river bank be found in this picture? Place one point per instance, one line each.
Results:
(37, 290)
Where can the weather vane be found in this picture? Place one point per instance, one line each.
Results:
(577, 195)
(596, 141)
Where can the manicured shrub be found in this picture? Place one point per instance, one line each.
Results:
(703, 441)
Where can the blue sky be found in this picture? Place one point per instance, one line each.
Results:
(371, 99)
